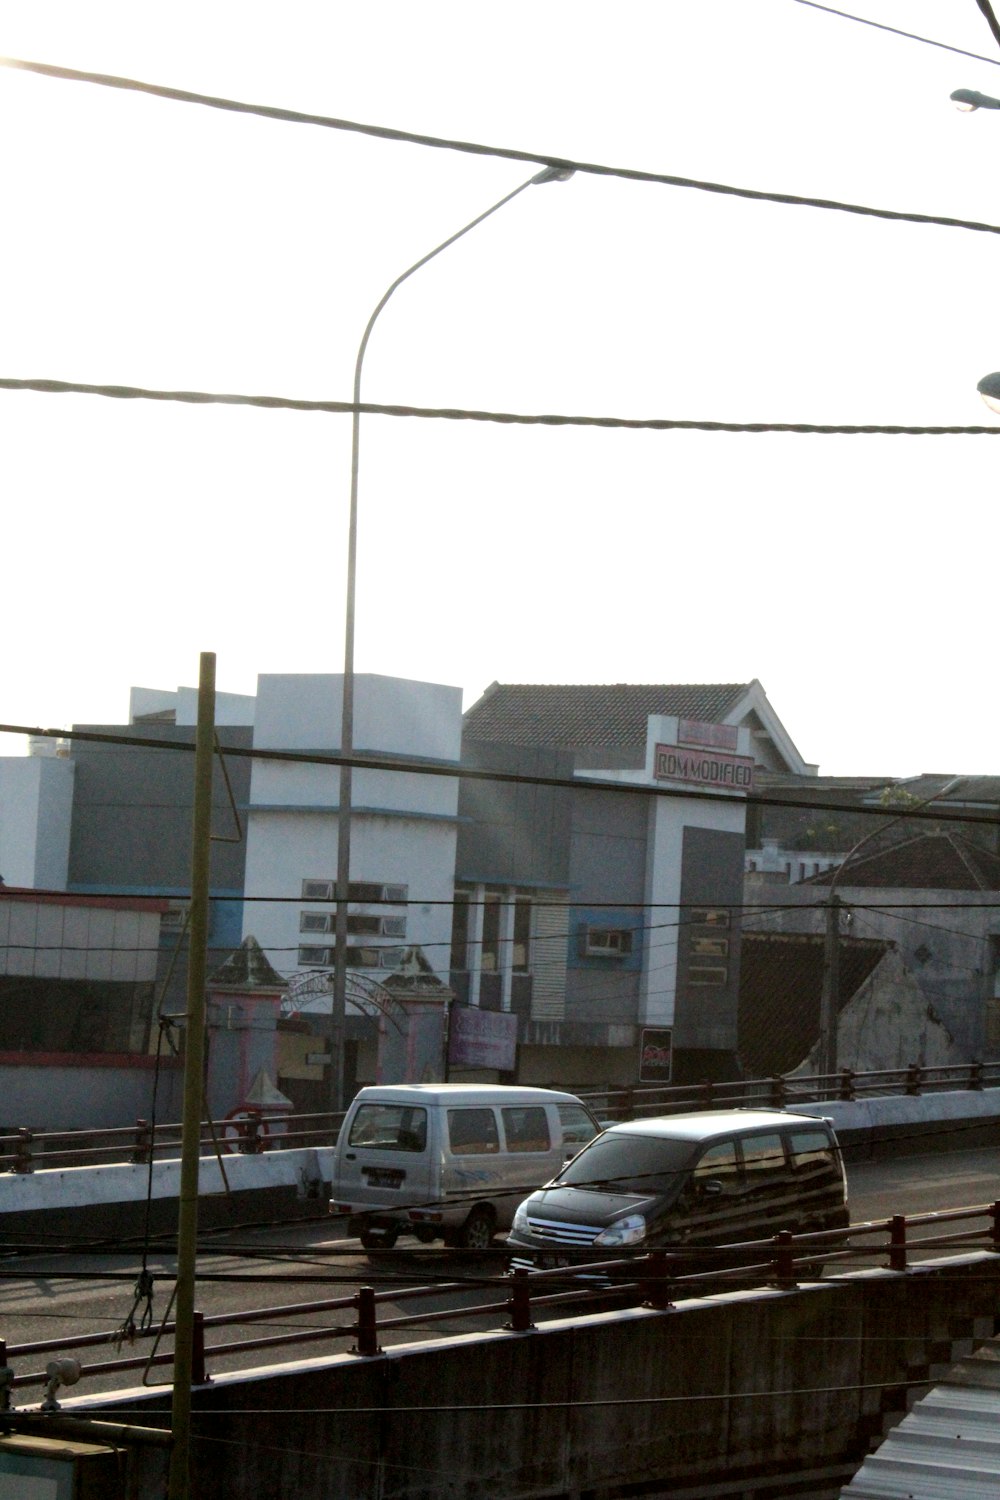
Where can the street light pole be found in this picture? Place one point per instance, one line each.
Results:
(830, 995)
(344, 806)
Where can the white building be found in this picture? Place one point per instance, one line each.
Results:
(403, 824)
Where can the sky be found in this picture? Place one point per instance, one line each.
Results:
(159, 244)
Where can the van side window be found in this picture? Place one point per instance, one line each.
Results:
(763, 1156)
(811, 1150)
(473, 1132)
(578, 1126)
(389, 1127)
(719, 1162)
(526, 1128)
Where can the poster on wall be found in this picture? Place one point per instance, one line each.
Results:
(655, 1055)
(482, 1038)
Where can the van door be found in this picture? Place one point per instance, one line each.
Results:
(770, 1190)
(384, 1160)
(533, 1139)
(710, 1209)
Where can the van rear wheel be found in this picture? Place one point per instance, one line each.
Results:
(477, 1231)
(378, 1239)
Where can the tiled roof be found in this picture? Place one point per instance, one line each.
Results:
(940, 861)
(611, 716)
(781, 977)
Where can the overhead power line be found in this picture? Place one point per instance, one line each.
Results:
(896, 31)
(462, 414)
(371, 762)
(477, 148)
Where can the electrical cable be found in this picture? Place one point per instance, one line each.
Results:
(541, 159)
(388, 762)
(910, 35)
(533, 419)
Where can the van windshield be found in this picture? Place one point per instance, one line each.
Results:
(630, 1163)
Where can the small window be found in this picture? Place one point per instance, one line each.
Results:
(317, 890)
(526, 1128)
(521, 952)
(363, 958)
(314, 956)
(607, 942)
(578, 1126)
(314, 921)
(396, 893)
(389, 1127)
(394, 927)
(473, 1132)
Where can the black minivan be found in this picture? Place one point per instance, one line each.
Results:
(684, 1181)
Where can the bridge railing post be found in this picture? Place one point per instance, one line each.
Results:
(519, 1302)
(976, 1076)
(897, 1242)
(778, 1091)
(914, 1075)
(847, 1090)
(995, 1231)
(366, 1330)
(22, 1151)
(784, 1260)
(656, 1281)
(142, 1150)
(199, 1374)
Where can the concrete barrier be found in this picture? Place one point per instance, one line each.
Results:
(87, 1203)
(872, 1128)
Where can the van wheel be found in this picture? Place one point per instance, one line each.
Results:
(477, 1231)
(425, 1234)
(378, 1239)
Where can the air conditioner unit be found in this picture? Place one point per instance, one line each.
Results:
(606, 942)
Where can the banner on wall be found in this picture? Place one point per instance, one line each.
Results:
(482, 1038)
(655, 1055)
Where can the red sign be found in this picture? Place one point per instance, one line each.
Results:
(655, 1060)
(704, 768)
(482, 1038)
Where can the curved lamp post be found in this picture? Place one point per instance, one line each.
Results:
(547, 174)
(828, 1007)
(970, 99)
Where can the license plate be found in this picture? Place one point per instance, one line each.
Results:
(390, 1177)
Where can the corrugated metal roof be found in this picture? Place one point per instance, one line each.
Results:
(948, 1447)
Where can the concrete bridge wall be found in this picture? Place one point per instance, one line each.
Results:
(745, 1384)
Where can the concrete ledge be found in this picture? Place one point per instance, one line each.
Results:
(871, 1128)
(84, 1203)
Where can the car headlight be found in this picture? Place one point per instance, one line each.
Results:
(519, 1223)
(627, 1231)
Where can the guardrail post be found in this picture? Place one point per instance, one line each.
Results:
(778, 1091)
(897, 1242)
(199, 1375)
(847, 1090)
(976, 1076)
(143, 1149)
(6, 1378)
(519, 1302)
(656, 1282)
(627, 1104)
(22, 1152)
(367, 1325)
(707, 1092)
(995, 1232)
(784, 1258)
(913, 1076)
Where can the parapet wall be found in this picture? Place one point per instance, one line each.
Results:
(744, 1384)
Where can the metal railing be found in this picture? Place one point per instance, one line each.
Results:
(784, 1261)
(787, 1091)
(24, 1150)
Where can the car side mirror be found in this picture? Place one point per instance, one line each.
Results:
(710, 1188)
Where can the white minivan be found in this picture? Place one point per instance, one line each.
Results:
(450, 1161)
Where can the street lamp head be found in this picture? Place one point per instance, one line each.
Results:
(553, 174)
(970, 99)
(989, 389)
